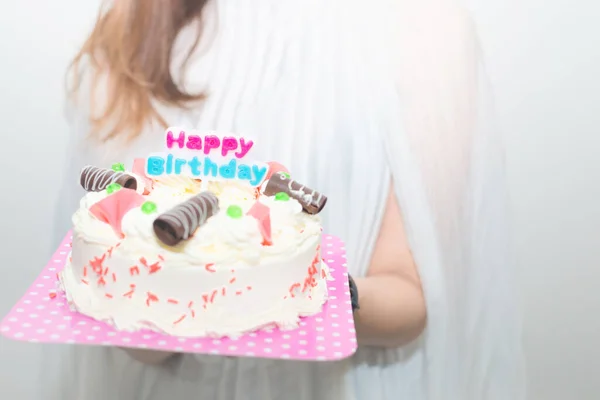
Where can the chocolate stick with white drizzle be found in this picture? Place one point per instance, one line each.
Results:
(312, 201)
(94, 179)
(181, 222)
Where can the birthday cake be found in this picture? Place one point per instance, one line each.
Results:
(195, 256)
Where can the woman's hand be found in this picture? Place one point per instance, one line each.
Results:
(392, 307)
(353, 293)
(150, 357)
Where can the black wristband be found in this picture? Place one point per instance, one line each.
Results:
(353, 293)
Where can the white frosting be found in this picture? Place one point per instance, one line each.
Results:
(222, 281)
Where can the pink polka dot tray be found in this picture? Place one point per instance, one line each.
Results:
(43, 316)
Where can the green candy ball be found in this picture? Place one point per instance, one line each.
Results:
(282, 196)
(149, 207)
(118, 167)
(113, 187)
(234, 212)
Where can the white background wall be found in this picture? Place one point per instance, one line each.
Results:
(37, 40)
(544, 59)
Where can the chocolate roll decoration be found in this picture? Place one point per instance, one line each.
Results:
(94, 179)
(312, 201)
(181, 222)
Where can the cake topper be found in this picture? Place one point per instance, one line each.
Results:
(206, 156)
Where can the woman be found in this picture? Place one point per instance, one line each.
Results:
(377, 104)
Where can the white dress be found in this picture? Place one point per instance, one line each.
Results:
(336, 92)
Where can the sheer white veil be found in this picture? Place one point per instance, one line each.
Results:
(450, 151)
(447, 161)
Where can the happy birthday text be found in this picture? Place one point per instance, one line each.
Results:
(221, 157)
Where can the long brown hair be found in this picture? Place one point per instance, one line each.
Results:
(131, 46)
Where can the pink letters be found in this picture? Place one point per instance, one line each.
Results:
(180, 139)
(245, 148)
(226, 145)
(211, 142)
(194, 142)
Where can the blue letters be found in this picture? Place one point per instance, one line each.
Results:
(244, 172)
(155, 166)
(209, 167)
(259, 174)
(179, 162)
(168, 164)
(227, 171)
(194, 166)
(169, 168)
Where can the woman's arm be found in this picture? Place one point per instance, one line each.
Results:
(392, 307)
